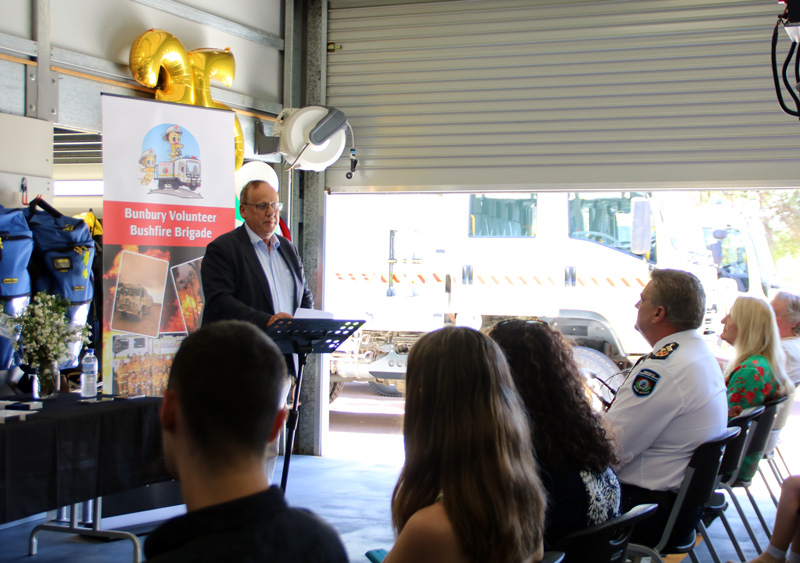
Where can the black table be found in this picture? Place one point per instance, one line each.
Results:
(71, 452)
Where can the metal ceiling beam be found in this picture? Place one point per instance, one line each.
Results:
(204, 18)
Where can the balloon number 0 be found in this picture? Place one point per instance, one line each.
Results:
(186, 75)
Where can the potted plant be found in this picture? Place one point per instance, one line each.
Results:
(44, 332)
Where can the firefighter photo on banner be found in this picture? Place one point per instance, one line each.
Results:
(168, 171)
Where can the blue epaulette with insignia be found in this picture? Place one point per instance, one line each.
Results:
(665, 351)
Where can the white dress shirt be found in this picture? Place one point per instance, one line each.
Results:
(671, 402)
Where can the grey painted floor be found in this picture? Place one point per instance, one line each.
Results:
(351, 489)
(353, 496)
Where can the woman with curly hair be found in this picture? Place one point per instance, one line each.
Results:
(572, 446)
(469, 490)
(758, 373)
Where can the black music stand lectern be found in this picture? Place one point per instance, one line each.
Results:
(304, 337)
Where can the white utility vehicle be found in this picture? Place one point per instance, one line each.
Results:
(411, 263)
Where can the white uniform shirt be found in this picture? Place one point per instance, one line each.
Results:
(671, 402)
(791, 346)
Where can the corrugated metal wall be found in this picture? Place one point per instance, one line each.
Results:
(504, 94)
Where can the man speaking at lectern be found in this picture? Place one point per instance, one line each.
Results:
(251, 273)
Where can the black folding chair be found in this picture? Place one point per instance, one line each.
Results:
(696, 488)
(760, 434)
(606, 542)
(728, 471)
(771, 451)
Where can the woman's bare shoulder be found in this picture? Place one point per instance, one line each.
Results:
(428, 536)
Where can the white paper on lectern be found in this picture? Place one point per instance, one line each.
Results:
(302, 313)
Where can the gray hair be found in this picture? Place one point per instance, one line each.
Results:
(682, 296)
(244, 195)
(792, 309)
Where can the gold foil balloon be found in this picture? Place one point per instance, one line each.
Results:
(156, 49)
(186, 77)
(238, 142)
(213, 64)
(208, 65)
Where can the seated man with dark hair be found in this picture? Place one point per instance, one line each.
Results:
(216, 447)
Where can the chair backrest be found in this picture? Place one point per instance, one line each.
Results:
(781, 418)
(734, 451)
(764, 426)
(606, 542)
(784, 411)
(698, 483)
(376, 555)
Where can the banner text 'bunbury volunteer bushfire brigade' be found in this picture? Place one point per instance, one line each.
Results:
(168, 174)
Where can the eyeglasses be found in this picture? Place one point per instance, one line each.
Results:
(262, 207)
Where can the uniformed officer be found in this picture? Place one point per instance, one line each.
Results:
(672, 401)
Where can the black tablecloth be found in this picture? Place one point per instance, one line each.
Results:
(70, 452)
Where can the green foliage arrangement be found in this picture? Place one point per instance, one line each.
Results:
(45, 332)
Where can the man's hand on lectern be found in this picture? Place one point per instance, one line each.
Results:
(277, 316)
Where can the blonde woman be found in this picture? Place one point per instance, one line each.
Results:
(469, 491)
(757, 374)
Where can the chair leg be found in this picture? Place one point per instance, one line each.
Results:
(776, 470)
(758, 513)
(734, 541)
(766, 483)
(693, 557)
(743, 517)
(783, 459)
(701, 529)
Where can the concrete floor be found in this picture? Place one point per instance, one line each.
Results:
(351, 488)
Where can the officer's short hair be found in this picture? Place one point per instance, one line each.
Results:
(682, 296)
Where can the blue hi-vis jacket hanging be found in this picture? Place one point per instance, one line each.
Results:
(62, 264)
(16, 246)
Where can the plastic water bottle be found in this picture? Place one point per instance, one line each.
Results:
(89, 374)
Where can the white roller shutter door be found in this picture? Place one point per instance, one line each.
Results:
(507, 94)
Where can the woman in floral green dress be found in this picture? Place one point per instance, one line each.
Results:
(758, 373)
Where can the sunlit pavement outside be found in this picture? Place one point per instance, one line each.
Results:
(366, 427)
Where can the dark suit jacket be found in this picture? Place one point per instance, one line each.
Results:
(234, 282)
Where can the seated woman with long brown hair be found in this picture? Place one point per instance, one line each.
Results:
(469, 490)
(574, 452)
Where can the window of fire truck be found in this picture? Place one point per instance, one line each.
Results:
(605, 218)
(509, 215)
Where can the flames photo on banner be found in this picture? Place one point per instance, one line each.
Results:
(168, 171)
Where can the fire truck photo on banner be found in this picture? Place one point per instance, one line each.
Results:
(168, 174)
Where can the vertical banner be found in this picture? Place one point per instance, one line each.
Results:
(168, 171)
